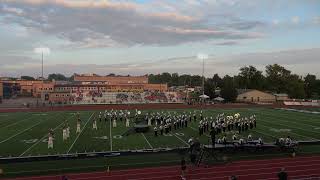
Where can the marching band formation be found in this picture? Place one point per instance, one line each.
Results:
(165, 122)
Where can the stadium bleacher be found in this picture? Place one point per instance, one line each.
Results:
(125, 97)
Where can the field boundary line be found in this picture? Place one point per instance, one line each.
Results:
(294, 128)
(42, 138)
(147, 140)
(110, 134)
(21, 132)
(282, 120)
(16, 123)
(86, 167)
(310, 138)
(180, 139)
(265, 134)
(79, 133)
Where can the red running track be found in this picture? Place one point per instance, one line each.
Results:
(297, 168)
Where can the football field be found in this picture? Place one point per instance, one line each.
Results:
(26, 134)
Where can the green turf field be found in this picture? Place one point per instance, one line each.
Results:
(24, 134)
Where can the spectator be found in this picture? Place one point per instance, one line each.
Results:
(233, 178)
(282, 175)
(64, 177)
(183, 169)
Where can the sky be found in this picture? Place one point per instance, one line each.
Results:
(153, 36)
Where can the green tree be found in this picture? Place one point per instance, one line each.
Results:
(277, 78)
(228, 91)
(310, 86)
(217, 81)
(295, 87)
(209, 88)
(250, 78)
(57, 77)
(29, 78)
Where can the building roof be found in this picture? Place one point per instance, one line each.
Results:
(242, 91)
(281, 95)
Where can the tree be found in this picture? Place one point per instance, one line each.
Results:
(250, 78)
(29, 78)
(57, 77)
(295, 87)
(228, 91)
(217, 81)
(209, 88)
(310, 86)
(277, 78)
(174, 79)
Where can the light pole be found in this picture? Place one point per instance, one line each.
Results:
(42, 64)
(202, 57)
(42, 51)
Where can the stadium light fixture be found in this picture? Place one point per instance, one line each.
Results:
(202, 57)
(42, 51)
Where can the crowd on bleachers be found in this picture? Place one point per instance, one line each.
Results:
(155, 97)
(95, 97)
(121, 97)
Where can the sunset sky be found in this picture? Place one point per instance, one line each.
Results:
(154, 36)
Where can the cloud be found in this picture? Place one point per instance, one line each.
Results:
(227, 43)
(12, 10)
(100, 23)
(295, 19)
(275, 22)
(295, 60)
(15, 60)
(316, 20)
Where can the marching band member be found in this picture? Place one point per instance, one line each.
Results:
(50, 139)
(78, 125)
(114, 124)
(94, 125)
(127, 122)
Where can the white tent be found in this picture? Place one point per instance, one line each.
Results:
(204, 96)
(218, 99)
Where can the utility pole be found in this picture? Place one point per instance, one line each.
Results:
(42, 65)
(203, 77)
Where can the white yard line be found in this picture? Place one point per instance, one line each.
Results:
(181, 140)
(291, 132)
(110, 135)
(40, 140)
(15, 123)
(254, 130)
(147, 140)
(79, 134)
(197, 130)
(21, 132)
(289, 120)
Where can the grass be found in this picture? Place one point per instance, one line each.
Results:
(24, 134)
